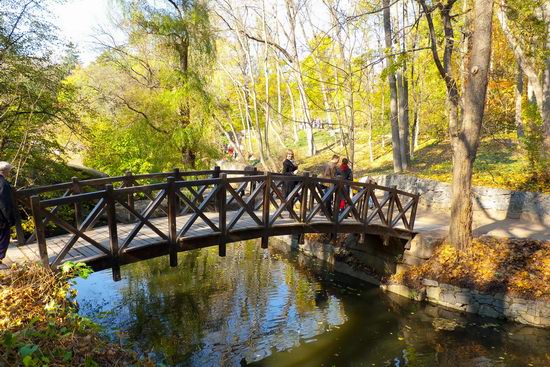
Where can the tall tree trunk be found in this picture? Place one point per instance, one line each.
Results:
(267, 121)
(396, 146)
(369, 121)
(187, 153)
(519, 96)
(540, 82)
(293, 107)
(465, 144)
(403, 89)
(291, 12)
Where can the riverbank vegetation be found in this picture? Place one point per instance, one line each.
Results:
(40, 325)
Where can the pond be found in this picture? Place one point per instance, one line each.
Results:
(273, 308)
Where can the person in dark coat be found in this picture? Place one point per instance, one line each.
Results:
(289, 167)
(330, 170)
(7, 211)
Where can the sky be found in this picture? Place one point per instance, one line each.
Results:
(78, 20)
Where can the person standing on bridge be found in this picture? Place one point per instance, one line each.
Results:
(289, 168)
(346, 173)
(7, 211)
(330, 172)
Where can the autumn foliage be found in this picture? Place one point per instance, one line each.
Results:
(494, 265)
(40, 326)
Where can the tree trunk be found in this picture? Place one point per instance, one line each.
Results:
(519, 96)
(188, 156)
(465, 144)
(403, 89)
(267, 121)
(541, 86)
(294, 120)
(291, 12)
(396, 146)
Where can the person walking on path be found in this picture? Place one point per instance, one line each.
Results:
(289, 168)
(7, 211)
(347, 174)
(330, 172)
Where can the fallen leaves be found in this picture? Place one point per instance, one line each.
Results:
(40, 326)
(514, 266)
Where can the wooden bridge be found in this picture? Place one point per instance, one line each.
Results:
(112, 221)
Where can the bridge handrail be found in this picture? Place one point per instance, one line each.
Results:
(219, 190)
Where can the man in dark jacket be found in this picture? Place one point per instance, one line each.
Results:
(7, 210)
(329, 171)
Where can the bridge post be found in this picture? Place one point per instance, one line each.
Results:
(253, 183)
(389, 216)
(39, 230)
(222, 214)
(413, 212)
(303, 204)
(364, 215)
(129, 182)
(265, 209)
(312, 187)
(172, 213)
(177, 206)
(75, 190)
(216, 174)
(336, 205)
(113, 234)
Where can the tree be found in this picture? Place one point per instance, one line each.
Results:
(35, 103)
(394, 119)
(529, 37)
(182, 28)
(464, 129)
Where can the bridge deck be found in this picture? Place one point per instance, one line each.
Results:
(84, 251)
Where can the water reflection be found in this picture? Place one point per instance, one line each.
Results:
(211, 310)
(271, 309)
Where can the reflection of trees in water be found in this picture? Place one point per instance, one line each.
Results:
(475, 341)
(221, 309)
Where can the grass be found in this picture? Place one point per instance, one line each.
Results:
(500, 162)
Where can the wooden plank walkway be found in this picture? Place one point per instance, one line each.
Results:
(84, 251)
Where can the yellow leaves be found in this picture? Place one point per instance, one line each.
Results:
(520, 267)
(37, 313)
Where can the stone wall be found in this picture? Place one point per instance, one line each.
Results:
(496, 203)
(530, 312)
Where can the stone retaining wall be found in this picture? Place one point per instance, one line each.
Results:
(535, 313)
(495, 203)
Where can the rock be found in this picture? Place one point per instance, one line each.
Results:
(432, 293)
(446, 324)
(486, 310)
(429, 282)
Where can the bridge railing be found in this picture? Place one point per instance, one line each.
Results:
(221, 200)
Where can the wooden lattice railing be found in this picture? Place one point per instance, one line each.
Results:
(271, 201)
